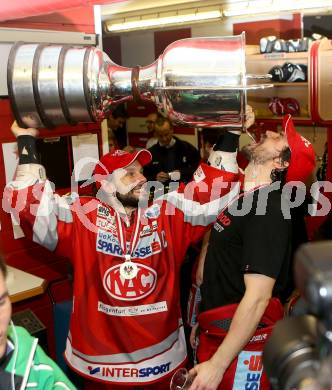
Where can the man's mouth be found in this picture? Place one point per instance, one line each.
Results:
(258, 141)
(139, 187)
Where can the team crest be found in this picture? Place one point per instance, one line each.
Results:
(140, 286)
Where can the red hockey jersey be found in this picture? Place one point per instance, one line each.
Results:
(123, 331)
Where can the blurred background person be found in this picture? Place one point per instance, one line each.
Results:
(150, 124)
(116, 124)
(172, 158)
(112, 142)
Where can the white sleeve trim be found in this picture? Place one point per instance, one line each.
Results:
(224, 160)
(27, 175)
(40, 367)
(201, 214)
(62, 385)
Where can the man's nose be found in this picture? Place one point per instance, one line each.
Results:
(270, 134)
(141, 178)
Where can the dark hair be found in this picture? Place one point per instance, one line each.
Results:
(161, 120)
(285, 155)
(3, 267)
(119, 111)
(280, 174)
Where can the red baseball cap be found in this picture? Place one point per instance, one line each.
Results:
(119, 159)
(303, 158)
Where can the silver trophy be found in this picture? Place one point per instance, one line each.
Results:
(199, 82)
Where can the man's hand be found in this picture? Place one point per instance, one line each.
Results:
(162, 176)
(174, 175)
(208, 376)
(249, 117)
(17, 131)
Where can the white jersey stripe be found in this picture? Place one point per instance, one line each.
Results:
(145, 371)
(136, 356)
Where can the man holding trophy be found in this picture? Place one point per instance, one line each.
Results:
(126, 259)
(247, 265)
(126, 329)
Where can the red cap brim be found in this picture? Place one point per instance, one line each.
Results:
(143, 156)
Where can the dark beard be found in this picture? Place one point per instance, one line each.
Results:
(255, 155)
(247, 152)
(127, 200)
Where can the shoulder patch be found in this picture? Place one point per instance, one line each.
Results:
(199, 174)
(153, 211)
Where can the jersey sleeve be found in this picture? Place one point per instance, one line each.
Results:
(194, 207)
(45, 217)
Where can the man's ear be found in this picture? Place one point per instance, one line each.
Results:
(279, 163)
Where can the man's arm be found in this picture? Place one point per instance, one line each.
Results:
(249, 312)
(45, 217)
(214, 185)
(201, 258)
(201, 200)
(29, 170)
(224, 151)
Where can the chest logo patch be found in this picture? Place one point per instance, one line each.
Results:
(123, 289)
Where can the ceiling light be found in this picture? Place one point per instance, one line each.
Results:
(163, 18)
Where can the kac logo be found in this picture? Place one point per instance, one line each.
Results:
(130, 289)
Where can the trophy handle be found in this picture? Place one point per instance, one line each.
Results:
(250, 77)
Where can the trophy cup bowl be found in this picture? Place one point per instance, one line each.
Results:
(199, 82)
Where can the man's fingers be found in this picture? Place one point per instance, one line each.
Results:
(194, 385)
(17, 130)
